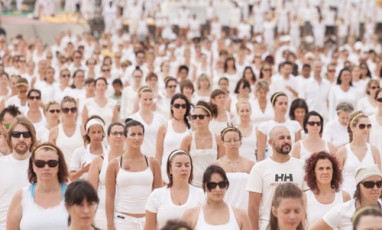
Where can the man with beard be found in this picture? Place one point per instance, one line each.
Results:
(266, 175)
(14, 167)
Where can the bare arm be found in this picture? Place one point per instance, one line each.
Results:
(94, 170)
(53, 135)
(74, 175)
(160, 139)
(84, 115)
(253, 209)
(151, 221)
(111, 175)
(155, 167)
(261, 143)
(190, 216)
(320, 225)
(297, 136)
(341, 156)
(186, 143)
(115, 113)
(296, 150)
(376, 156)
(242, 219)
(220, 146)
(15, 212)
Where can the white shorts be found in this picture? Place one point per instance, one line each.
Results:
(123, 222)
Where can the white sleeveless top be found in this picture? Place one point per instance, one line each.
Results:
(100, 216)
(351, 164)
(248, 147)
(35, 217)
(305, 154)
(201, 159)
(237, 196)
(231, 225)
(132, 189)
(216, 126)
(170, 143)
(105, 112)
(69, 144)
(316, 210)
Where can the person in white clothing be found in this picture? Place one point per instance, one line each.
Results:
(324, 178)
(248, 147)
(170, 202)
(22, 138)
(358, 152)
(376, 121)
(368, 104)
(368, 191)
(220, 214)
(267, 174)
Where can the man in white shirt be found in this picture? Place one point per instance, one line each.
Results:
(14, 167)
(285, 82)
(266, 175)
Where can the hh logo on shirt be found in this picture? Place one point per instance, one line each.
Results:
(284, 177)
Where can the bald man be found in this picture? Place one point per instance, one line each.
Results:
(266, 175)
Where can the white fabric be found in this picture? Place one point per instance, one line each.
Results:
(366, 107)
(160, 202)
(337, 95)
(316, 95)
(100, 217)
(216, 126)
(10, 184)
(259, 116)
(105, 112)
(340, 216)
(248, 146)
(266, 175)
(335, 133)
(123, 222)
(231, 225)
(305, 154)
(237, 196)
(69, 144)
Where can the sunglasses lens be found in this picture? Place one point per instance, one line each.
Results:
(211, 185)
(39, 164)
(371, 184)
(379, 99)
(362, 126)
(17, 134)
(52, 163)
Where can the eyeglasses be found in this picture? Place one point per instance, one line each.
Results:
(34, 97)
(363, 126)
(379, 99)
(266, 69)
(213, 185)
(371, 184)
(200, 116)
(54, 111)
(41, 163)
(313, 123)
(178, 106)
(171, 86)
(116, 133)
(374, 87)
(72, 110)
(17, 134)
(232, 141)
(106, 70)
(65, 75)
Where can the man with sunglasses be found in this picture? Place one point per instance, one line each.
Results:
(14, 167)
(266, 175)
(20, 99)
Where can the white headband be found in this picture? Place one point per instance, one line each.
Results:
(94, 121)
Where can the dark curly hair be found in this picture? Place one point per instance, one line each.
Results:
(310, 176)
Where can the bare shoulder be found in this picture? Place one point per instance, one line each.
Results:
(190, 216)
(154, 161)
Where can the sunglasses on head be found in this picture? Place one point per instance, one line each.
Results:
(200, 116)
(313, 123)
(371, 184)
(72, 110)
(34, 97)
(54, 111)
(363, 126)
(41, 163)
(379, 99)
(178, 106)
(213, 185)
(17, 134)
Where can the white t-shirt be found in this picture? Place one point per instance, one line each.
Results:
(160, 202)
(335, 133)
(266, 175)
(82, 156)
(340, 216)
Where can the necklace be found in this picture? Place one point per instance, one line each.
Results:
(233, 164)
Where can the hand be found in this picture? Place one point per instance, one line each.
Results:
(85, 167)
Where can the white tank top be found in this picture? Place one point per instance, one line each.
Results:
(217, 126)
(35, 217)
(305, 154)
(201, 159)
(237, 196)
(69, 144)
(102, 181)
(248, 147)
(316, 210)
(351, 164)
(231, 225)
(171, 142)
(133, 189)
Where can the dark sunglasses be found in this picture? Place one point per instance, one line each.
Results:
(41, 163)
(65, 75)
(371, 184)
(266, 69)
(17, 134)
(178, 106)
(379, 99)
(171, 86)
(331, 71)
(72, 110)
(34, 97)
(374, 87)
(54, 111)
(116, 133)
(363, 126)
(106, 70)
(221, 184)
(200, 116)
(312, 123)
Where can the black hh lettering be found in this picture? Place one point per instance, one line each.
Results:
(284, 177)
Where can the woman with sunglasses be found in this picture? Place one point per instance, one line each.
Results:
(313, 126)
(219, 101)
(130, 180)
(376, 122)
(368, 180)
(204, 146)
(52, 114)
(236, 167)
(215, 213)
(83, 156)
(81, 202)
(170, 90)
(173, 130)
(40, 205)
(279, 100)
(35, 114)
(152, 121)
(97, 171)
(100, 105)
(324, 178)
(266, 73)
(369, 104)
(68, 135)
(172, 201)
(358, 152)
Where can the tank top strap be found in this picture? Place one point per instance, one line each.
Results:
(228, 117)
(339, 197)
(147, 161)
(63, 190)
(214, 145)
(63, 186)
(193, 145)
(120, 161)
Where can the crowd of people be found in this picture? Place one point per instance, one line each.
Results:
(202, 129)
